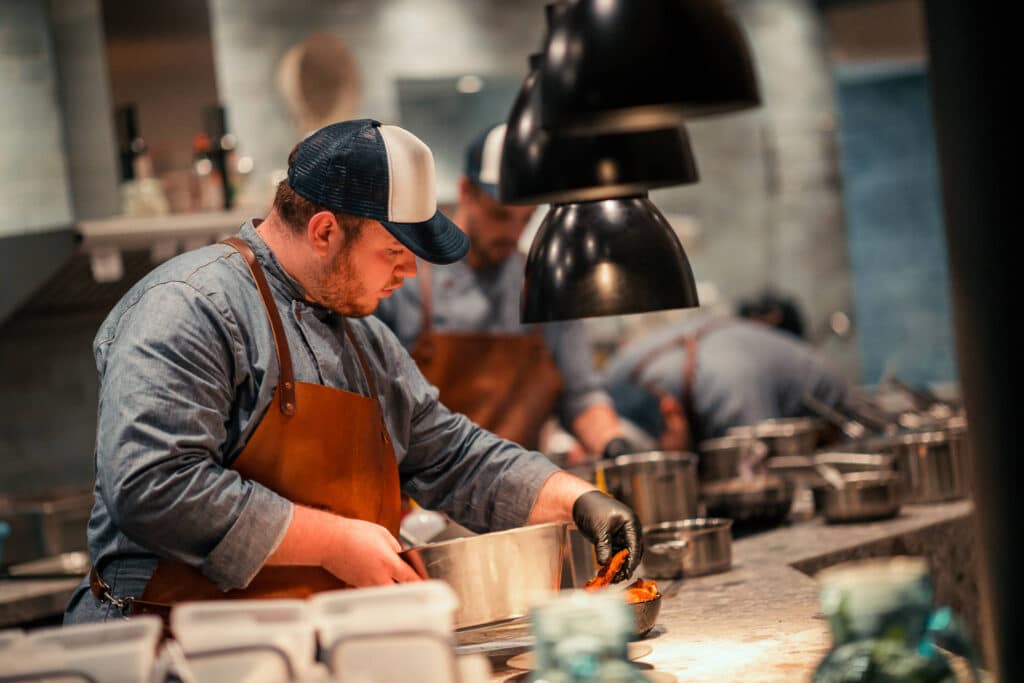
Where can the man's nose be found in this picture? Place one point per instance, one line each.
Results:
(407, 266)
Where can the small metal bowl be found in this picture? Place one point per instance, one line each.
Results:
(646, 614)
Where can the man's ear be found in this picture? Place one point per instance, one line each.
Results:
(323, 231)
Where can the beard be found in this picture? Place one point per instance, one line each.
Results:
(489, 253)
(336, 287)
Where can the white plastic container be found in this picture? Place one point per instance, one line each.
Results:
(10, 636)
(425, 605)
(201, 627)
(112, 652)
(389, 633)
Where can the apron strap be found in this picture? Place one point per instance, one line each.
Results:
(362, 359)
(427, 321)
(690, 343)
(370, 382)
(284, 356)
(424, 344)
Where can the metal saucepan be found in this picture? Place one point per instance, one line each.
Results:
(731, 457)
(933, 464)
(498, 576)
(784, 436)
(688, 547)
(660, 486)
(863, 496)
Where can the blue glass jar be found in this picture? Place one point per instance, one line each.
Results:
(884, 625)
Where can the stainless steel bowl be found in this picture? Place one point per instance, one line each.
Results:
(498, 576)
(864, 496)
(660, 486)
(689, 547)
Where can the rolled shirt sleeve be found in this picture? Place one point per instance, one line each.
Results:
(450, 464)
(582, 385)
(166, 394)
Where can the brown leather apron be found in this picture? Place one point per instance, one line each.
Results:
(316, 446)
(690, 343)
(506, 383)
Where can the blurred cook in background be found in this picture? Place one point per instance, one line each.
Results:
(461, 325)
(695, 378)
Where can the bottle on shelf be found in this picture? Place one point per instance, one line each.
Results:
(222, 152)
(141, 193)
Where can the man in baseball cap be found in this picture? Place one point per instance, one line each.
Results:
(257, 429)
(461, 324)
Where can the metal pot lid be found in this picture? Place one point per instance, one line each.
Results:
(648, 458)
(776, 427)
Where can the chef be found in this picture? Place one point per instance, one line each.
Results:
(257, 425)
(694, 378)
(461, 325)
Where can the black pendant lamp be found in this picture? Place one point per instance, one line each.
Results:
(605, 257)
(628, 65)
(541, 166)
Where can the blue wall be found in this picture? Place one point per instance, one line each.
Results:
(894, 225)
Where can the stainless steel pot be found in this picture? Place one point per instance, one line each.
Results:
(731, 457)
(863, 496)
(933, 464)
(783, 436)
(660, 486)
(498, 576)
(689, 547)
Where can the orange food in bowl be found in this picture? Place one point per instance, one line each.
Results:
(641, 591)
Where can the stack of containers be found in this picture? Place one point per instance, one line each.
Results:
(362, 632)
(112, 652)
(256, 641)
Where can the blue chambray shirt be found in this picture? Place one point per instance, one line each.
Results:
(188, 368)
(467, 300)
(746, 372)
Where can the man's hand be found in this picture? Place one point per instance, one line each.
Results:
(366, 554)
(610, 526)
(357, 552)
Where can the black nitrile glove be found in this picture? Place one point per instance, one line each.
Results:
(616, 447)
(610, 526)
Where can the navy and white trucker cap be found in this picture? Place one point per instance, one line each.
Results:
(483, 159)
(386, 173)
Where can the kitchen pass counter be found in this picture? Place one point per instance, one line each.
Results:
(761, 622)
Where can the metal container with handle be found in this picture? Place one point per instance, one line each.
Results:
(859, 496)
(660, 486)
(497, 576)
(688, 547)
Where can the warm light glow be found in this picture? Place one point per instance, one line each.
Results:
(606, 277)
